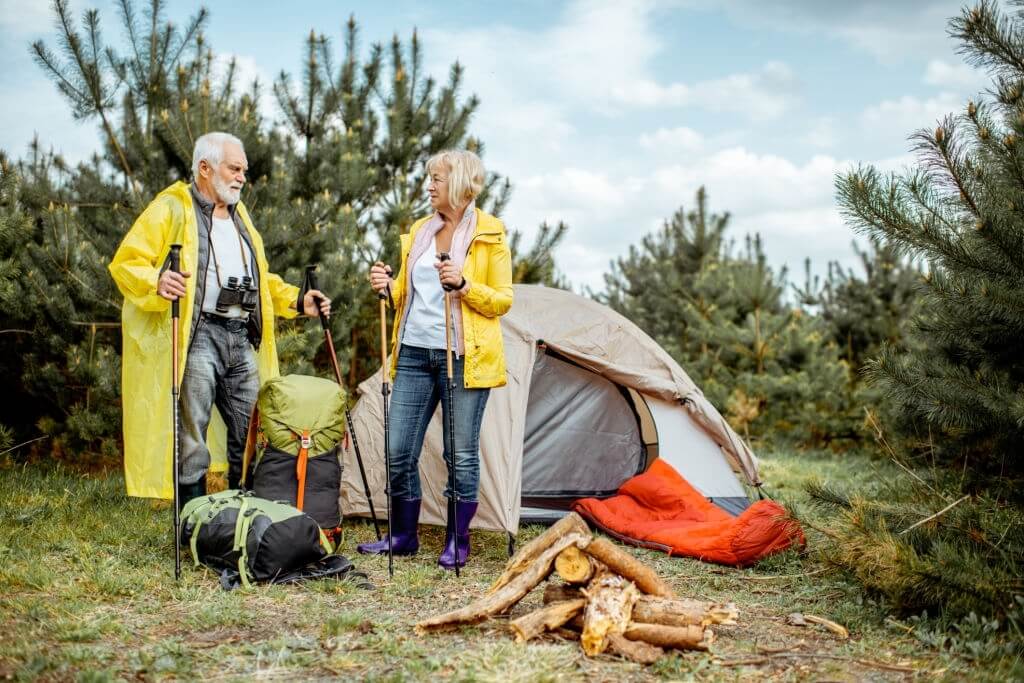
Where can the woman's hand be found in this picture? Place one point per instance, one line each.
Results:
(450, 274)
(380, 277)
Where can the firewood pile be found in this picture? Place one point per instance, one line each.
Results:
(609, 601)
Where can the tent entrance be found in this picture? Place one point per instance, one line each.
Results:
(584, 435)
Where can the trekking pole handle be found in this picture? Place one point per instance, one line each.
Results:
(311, 282)
(442, 257)
(175, 265)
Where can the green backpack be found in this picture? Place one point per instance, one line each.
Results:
(251, 539)
(294, 436)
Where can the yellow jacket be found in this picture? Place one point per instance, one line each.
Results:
(146, 334)
(488, 268)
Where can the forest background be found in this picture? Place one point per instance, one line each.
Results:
(913, 356)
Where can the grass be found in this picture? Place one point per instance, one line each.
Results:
(87, 593)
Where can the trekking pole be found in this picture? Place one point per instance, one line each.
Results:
(385, 389)
(310, 283)
(453, 479)
(175, 265)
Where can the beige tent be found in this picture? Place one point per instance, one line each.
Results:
(590, 401)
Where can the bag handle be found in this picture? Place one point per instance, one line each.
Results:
(300, 467)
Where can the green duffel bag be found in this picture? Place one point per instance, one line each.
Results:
(250, 539)
(295, 433)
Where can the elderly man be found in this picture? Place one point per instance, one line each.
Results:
(226, 336)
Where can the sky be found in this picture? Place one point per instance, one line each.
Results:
(609, 115)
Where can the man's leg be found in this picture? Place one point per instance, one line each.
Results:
(198, 388)
(237, 390)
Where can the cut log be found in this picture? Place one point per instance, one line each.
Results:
(650, 609)
(610, 601)
(506, 596)
(546, 619)
(653, 610)
(575, 566)
(627, 566)
(634, 650)
(570, 524)
(672, 637)
(558, 592)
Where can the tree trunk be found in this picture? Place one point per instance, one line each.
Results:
(575, 566)
(672, 637)
(610, 601)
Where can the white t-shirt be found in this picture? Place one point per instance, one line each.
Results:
(224, 242)
(424, 326)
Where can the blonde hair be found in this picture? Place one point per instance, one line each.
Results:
(465, 173)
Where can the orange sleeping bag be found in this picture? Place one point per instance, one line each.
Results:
(661, 510)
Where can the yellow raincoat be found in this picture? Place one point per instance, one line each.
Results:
(488, 268)
(146, 335)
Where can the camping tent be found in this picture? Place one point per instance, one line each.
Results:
(591, 401)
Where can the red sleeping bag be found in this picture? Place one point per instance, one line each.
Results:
(659, 509)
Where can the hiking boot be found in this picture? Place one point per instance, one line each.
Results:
(187, 492)
(405, 515)
(457, 549)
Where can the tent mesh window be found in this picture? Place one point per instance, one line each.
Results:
(583, 435)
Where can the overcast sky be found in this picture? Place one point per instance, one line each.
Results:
(609, 115)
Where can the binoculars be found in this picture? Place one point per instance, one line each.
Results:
(237, 293)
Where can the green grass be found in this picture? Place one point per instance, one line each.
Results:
(87, 593)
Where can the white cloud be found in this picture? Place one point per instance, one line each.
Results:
(959, 77)
(674, 139)
(763, 94)
(25, 18)
(823, 133)
(885, 29)
(907, 114)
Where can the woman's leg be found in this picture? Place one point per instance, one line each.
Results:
(414, 398)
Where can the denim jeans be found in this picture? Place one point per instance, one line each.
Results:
(421, 382)
(220, 371)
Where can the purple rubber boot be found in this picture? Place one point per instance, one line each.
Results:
(404, 537)
(458, 547)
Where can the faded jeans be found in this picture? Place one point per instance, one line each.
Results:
(220, 371)
(421, 381)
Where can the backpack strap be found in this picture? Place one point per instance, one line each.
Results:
(300, 467)
(250, 441)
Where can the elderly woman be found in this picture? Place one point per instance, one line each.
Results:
(479, 276)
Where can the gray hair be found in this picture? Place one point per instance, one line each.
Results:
(210, 147)
(465, 174)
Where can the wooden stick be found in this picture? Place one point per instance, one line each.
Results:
(937, 514)
(610, 601)
(507, 595)
(634, 650)
(571, 523)
(546, 619)
(575, 566)
(627, 566)
(557, 592)
(674, 637)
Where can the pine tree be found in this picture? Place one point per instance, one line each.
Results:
(722, 315)
(961, 213)
(336, 188)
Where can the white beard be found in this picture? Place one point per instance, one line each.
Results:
(224, 191)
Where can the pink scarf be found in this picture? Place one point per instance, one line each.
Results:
(460, 246)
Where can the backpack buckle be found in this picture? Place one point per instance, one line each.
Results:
(306, 441)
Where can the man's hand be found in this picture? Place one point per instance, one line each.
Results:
(171, 285)
(309, 303)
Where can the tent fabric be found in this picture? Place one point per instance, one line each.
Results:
(659, 509)
(594, 339)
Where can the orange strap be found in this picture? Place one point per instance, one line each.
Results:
(250, 441)
(300, 468)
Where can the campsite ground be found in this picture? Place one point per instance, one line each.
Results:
(87, 593)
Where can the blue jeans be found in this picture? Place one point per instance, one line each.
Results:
(421, 381)
(220, 371)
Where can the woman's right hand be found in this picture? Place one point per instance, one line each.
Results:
(380, 277)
